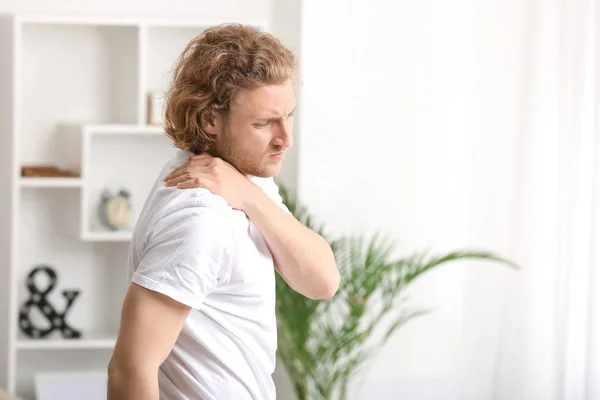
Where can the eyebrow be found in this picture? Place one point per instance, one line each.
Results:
(274, 118)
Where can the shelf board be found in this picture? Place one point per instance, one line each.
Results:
(50, 182)
(118, 236)
(91, 342)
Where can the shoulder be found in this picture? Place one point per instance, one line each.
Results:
(199, 215)
(189, 236)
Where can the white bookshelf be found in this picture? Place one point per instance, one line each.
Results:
(73, 93)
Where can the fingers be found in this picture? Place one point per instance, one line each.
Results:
(175, 179)
(193, 183)
(176, 173)
(189, 168)
(189, 184)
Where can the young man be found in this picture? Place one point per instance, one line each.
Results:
(198, 320)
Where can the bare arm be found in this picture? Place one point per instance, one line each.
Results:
(302, 257)
(150, 324)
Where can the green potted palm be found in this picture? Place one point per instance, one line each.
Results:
(324, 344)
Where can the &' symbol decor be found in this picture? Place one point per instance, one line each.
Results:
(38, 299)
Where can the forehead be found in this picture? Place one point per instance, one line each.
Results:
(265, 101)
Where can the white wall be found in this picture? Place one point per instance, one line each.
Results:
(408, 126)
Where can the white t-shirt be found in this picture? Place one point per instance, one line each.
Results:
(193, 247)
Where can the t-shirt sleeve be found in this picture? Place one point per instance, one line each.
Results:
(187, 254)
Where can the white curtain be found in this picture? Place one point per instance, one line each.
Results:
(432, 84)
(551, 330)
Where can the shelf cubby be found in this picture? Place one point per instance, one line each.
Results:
(74, 73)
(119, 158)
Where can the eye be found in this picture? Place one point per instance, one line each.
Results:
(260, 125)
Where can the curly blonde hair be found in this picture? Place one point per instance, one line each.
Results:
(216, 65)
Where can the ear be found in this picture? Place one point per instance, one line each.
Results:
(210, 121)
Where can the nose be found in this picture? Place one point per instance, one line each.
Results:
(285, 137)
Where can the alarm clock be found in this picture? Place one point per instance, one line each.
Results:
(115, 209)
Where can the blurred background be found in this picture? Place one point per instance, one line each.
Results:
(470, 124)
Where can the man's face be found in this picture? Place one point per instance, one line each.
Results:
(258, 130)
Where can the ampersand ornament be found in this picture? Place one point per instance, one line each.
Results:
(38, 299)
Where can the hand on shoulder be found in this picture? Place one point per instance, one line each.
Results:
(216, 175)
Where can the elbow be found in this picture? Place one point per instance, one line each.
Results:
(334, 284)
(329, 286)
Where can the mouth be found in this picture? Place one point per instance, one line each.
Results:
(277, 156)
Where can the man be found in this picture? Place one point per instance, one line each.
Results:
(198, 320)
